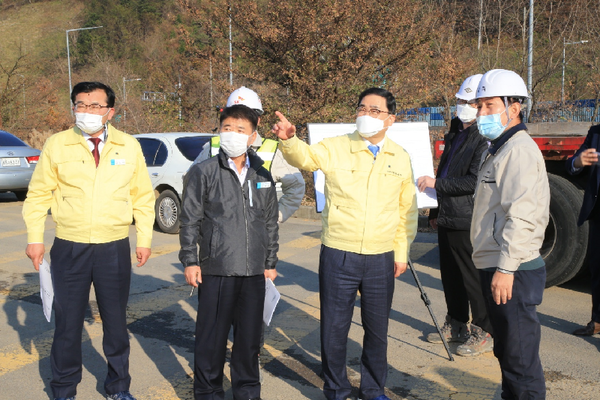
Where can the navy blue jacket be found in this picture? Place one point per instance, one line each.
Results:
(592, 141)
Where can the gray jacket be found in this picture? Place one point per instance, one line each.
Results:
(234, 226)
(512, 201)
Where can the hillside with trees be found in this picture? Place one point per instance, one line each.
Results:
(169, 61)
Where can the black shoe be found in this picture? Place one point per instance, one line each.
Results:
(125, 395)
(590, 329)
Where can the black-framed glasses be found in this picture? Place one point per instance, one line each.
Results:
(95, 108)
(373, 112)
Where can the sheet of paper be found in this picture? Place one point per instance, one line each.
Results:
(46, 289)
(272, 297)
(412, 136)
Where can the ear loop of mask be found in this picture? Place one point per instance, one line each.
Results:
(508, 119)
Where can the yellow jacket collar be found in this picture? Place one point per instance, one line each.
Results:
(114, 136)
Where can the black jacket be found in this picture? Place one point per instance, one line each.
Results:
(590, 196)
(235, 226)
(455, 191)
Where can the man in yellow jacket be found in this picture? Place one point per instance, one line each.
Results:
(94, 179)
(369, 222)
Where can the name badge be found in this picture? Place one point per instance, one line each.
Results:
(263, 185)
(119, 161)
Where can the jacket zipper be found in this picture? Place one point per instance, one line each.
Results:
(246, 226)
(249, 174)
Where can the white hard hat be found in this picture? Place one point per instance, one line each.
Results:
(501, 83)
(247, 97)
(469, 88)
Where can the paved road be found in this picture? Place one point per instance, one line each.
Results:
(161, 321)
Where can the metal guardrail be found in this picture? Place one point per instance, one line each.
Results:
(577, 111)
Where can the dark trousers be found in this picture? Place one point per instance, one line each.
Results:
(224, 301)
(341, 275)
(75, 266)
(460, 278)
(594, 263)
(517, 334)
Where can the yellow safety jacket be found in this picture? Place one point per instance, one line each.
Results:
(89, 204)
(371, 206)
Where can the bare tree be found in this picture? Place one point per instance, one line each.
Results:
(316, 56)
(12, 83)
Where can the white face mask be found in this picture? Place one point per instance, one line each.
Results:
(89, 123)
(466, 113)
(234, 144)
(368, 126)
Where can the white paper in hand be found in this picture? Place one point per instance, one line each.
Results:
(46, 289)
(272, 297)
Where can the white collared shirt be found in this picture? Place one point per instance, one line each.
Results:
(380, 144)
(241, 175)
(90, 144)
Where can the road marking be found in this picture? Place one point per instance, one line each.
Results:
(12, 233)
(295, 246)
(305, 242)
(15, 356)
(13, 256)
(301, 319)
(461, 381)
(162, 250)
(158, 251)
(170, 390)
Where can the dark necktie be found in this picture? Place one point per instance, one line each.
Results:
(95, 152)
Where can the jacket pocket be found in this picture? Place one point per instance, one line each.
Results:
(69, 210)
(119, 175)
(486, 237)
(214, 242)
(392, 181)
(494, 229)
(120, 211)
(344, 220)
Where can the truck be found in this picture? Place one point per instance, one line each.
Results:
(564, 249)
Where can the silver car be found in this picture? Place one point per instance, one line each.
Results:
(17, 162)
(168, 157)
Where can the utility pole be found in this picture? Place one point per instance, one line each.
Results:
(530, 62)
(230, 52)
(480, 24)
(125, 96)
(179, 94)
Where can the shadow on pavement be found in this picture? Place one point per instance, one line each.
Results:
(8, 198)
(32, 334)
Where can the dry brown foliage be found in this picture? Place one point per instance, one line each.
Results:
(311, 59)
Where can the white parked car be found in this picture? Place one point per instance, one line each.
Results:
(168, 157)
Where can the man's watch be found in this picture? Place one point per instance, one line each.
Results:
(505, 271)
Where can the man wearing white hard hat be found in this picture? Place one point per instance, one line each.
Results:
(292, 182)
(510, 215)
(455, 185)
